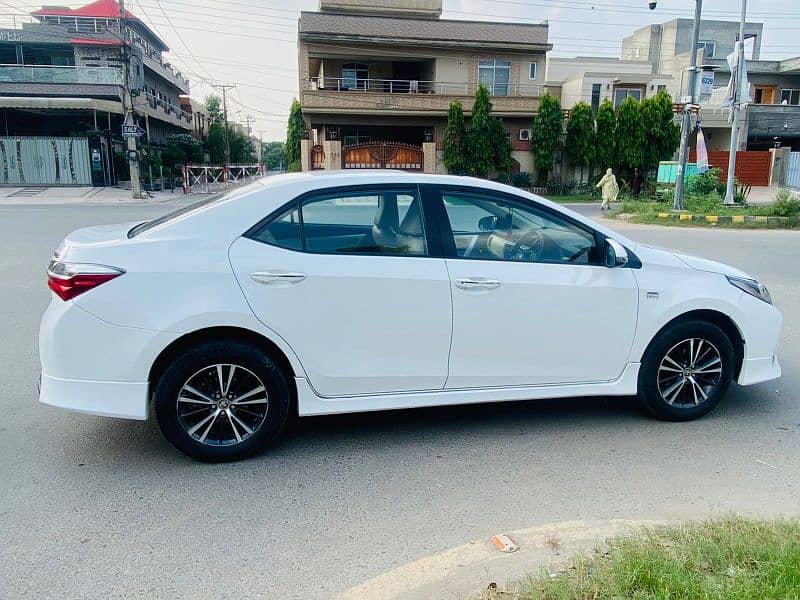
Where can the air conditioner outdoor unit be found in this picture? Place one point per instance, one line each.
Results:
(525, 135)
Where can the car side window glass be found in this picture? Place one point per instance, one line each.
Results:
(365, 222)
(282, 231)
(491, 228)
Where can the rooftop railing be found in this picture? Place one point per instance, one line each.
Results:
(53, 74)
(414, 86)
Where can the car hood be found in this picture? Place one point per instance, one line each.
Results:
(711, 266)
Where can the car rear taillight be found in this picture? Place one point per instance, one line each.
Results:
(72, 279)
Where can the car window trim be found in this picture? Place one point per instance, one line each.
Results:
(433, 241)
(437, 192)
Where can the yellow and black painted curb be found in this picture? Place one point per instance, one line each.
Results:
(772, 222)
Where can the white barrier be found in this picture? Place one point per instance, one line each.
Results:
(210, 179)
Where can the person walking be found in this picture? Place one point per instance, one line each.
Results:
(637, 181)
(610, 189)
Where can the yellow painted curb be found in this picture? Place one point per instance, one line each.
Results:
(685, 217)
(761, 219)
(737, 218)
(663, 215)
(712, 218)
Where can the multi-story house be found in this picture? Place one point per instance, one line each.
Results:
(773, 117)
(61, 77)
(377, 78)
(594, 80)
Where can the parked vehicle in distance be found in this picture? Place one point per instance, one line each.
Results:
(342, 292)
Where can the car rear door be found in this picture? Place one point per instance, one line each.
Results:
(556, 315)
(353, 282)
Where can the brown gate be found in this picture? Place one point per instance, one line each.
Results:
(317, 157)
(752, 167)
(383, 155)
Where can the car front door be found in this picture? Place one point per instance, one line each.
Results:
(533, 303)
(351, 281)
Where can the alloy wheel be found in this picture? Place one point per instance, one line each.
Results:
(690, 373)
(222, 405)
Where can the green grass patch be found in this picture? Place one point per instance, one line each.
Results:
(726, 559)
(574, 198)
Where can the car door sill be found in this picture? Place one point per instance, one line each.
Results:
(310, 403)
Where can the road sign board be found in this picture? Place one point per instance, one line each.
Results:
(132, 131)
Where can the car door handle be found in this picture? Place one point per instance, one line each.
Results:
(473, 283)
(267, 277)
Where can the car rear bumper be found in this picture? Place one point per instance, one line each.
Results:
(124, 400)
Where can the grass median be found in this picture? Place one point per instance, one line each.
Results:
(726, 559)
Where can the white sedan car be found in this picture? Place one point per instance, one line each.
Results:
(346, 292)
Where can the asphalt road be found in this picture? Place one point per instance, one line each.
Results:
(102, 508)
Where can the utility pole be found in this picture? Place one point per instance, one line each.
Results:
(225, 88)
(686, 121)
(736, 107)
(127, 105)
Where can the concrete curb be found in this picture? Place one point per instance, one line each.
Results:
(463, 571)
(771, 222)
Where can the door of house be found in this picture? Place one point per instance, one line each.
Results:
(383, 155)
(793, 171)
(764, 94)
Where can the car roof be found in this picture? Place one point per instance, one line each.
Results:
(370, 176)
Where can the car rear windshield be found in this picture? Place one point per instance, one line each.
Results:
(175, 214)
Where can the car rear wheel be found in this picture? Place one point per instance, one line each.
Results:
(222, 401)
(686, 371)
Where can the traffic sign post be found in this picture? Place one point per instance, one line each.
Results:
(132, 131)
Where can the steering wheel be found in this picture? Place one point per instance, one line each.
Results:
(528, 247)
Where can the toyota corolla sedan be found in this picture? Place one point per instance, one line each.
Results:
(347, 292)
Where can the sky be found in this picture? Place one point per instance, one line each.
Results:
(253, 43)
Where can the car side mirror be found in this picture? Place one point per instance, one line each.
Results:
(488, 223)
(616, 254)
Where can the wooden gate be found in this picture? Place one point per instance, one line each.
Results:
(383, 155)
(752, 167)
(317, 157)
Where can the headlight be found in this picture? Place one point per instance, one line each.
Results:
(752, 287)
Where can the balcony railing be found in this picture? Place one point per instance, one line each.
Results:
(69, 75)
(413, 86)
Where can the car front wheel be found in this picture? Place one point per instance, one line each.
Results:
(686, 371)
(222, 401)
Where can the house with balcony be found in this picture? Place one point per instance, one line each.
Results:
(773, 117)
(61, 78)
(594, 80)
(377, 78)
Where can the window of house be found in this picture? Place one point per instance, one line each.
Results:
(355, 76)
(790, 97)
(596, 87)
(495, 75)
(709, 48)
(532, 71)
(621, 93)
(661, 88)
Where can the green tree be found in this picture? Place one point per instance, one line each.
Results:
(547, 128)
(662, 135)
(274, 155)
(479, 151)
(294, 133)
(454, 140)
(581, 143)
(216, 129)
(487, 148)
(241, 146)
(630, 140)
(606, 134)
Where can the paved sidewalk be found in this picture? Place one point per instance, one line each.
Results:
(83, 195)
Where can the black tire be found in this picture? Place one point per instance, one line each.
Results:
(669, 341)
(254, 368)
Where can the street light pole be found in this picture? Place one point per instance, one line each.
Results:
(686, 122)
(736, 107)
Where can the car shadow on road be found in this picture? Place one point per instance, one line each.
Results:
(491, 423)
